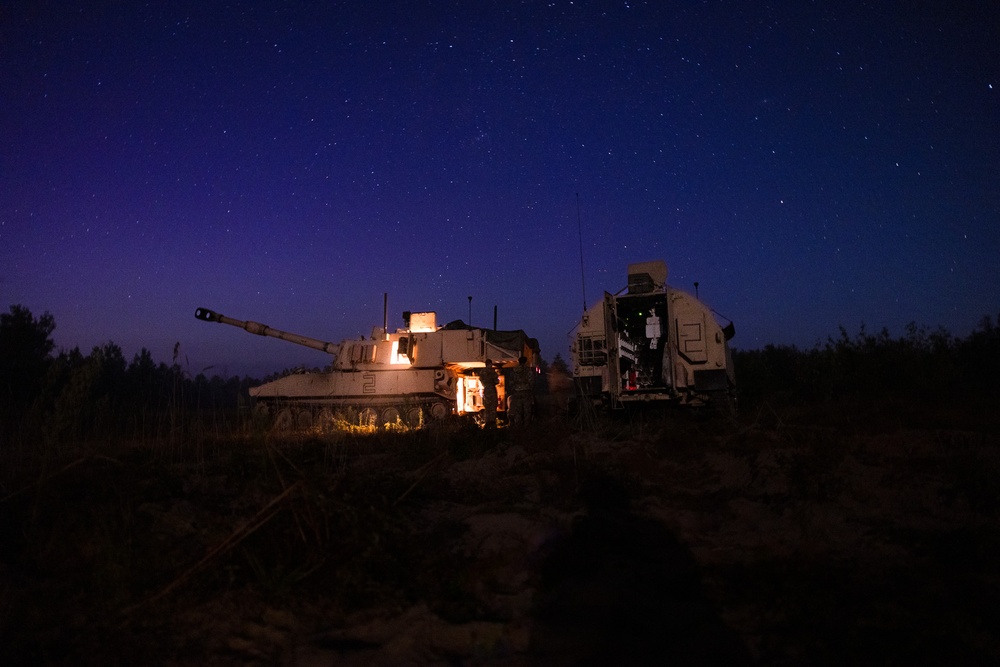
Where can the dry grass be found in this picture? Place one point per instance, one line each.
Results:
(805, 536)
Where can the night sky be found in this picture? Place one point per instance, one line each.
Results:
(810, 164)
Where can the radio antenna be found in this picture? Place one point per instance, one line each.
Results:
(579, 226)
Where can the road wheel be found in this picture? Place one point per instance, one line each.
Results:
(325, 420)
(439, 410)
(414, 417)
(284, 421)
(368, 417)
(390, 415)
(304, 420)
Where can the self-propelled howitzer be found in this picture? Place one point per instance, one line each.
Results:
(416, 374)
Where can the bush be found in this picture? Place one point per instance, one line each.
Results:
(920, 364)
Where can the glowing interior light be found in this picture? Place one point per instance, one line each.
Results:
(460, 396)
(395, 357)
(423, 322)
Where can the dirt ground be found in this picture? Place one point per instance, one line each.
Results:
(823, 537)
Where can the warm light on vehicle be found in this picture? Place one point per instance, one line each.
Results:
(395, 357)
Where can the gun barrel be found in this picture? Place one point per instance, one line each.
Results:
(259, 329)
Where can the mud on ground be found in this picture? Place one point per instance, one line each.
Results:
(788, 538)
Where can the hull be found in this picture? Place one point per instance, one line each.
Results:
(411, 396)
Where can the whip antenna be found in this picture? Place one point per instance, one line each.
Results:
(579, 226)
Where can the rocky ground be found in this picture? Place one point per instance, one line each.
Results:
(827, 536)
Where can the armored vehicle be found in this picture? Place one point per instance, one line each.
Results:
(418, 373)
(652, 342)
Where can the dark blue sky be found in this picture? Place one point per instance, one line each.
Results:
(811, 164)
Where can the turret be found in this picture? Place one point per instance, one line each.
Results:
(259, 329)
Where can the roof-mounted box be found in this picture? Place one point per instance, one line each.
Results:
(645, 277)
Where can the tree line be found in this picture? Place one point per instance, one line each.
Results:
(67, 395)
(922, 364)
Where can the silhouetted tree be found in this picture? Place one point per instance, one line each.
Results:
(25, 354)
(25, 349)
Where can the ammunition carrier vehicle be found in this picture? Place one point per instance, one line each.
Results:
(653, 343)
(418, 373)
